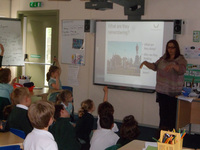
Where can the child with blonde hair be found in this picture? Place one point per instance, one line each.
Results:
(5, 89)
(41, 117)
(18, 117)
(85, 123)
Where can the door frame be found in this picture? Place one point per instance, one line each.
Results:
(22, 14)
(55, 13)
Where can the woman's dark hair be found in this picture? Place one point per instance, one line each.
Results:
(51, 70)
(105, 108)
(4, 75)
(176, 46)
(129, 128)
(58, 108)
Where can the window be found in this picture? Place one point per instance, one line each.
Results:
(48, 38)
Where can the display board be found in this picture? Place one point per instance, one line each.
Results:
(73, 42)
(11, 39)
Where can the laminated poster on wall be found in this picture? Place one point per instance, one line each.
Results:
(72, 76)
(196, 36)
(192, 74)
(73, 42)
(192, 52)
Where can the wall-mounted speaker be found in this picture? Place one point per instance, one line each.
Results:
(89, 26)
(178, 26)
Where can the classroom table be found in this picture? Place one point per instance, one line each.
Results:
(135, 144)
(40, 92)
(187, 113)
(138, 145)
(8, 138)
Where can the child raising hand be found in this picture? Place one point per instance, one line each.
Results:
(105, 108)
(53, 78)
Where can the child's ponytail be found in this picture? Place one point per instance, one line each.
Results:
(86, 106)
(48, 76)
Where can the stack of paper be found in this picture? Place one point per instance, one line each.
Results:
(151, 146)
(189, 99)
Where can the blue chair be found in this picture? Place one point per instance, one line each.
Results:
(19, 133)
(10, 147)
(68, 88)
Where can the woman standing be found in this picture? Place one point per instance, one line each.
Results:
(169, 82)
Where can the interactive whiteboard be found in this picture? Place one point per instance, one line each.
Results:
(121, 46)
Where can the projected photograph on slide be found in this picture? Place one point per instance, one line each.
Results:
(124, 58)
(121, 46)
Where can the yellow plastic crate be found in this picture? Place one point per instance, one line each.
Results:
(176, 144)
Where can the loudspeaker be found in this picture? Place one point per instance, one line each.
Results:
(178, 26)
(89, 26)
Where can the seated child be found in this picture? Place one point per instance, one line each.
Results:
(5, 89)
(41, 117)
(63, 131)
(104, 137)
(129, 130)
(104, 108)
(7, 110)
(18, 117)
(85, 123)
(65, 98)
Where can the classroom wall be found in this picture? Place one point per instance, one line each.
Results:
(141, 105)
(5, 8)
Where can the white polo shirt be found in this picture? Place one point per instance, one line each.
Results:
(40, 140)
(102, 139)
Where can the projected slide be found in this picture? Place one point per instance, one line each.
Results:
(122, 46)
(123, 58)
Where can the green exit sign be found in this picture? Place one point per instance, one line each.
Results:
(35, 4)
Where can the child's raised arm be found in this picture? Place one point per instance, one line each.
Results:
(56, 85)
(105, 98)
(57, 63)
